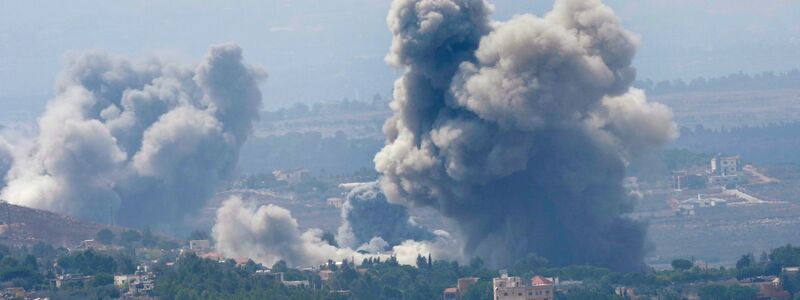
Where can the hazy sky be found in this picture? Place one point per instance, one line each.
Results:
(327, 50)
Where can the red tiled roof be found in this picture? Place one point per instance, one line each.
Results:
(539, 280)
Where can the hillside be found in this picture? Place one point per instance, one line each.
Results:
(29, 226)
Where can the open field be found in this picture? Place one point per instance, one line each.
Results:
(733, 109)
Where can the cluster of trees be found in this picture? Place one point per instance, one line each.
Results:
(132, 238)
(735, 81)
(769, 143)
(196, 278)
(33, 270)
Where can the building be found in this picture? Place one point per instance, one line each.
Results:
(461, 288)
(140, 282)
(199, 245)
(514, 288)
(292, 177)
(682, 180)
(725, 171)
(690, 206)
(71, 280)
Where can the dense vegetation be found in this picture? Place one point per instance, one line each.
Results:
(735, 81)
(195, 278)
(192, 277)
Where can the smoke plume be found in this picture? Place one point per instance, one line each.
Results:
(269, 233)
(151, 139)
(520, 130)
(367, 214)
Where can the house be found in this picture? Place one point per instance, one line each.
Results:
(71, 280)
(200, 245)
(514, 288)
(292, 177)
(461, 288)
(140, 282)
(725, 171)
(91, 244)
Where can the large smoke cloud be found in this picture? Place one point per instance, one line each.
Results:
(520, 130)
(367, 214)
(152, 139)
(269, 233)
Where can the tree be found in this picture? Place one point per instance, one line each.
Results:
(745, 261)
(681, 264)
(104, 236)
(148, 239)
(198, 234)
(421, 262)
(280, 266)
(713, 292)
(737, 292)
(131, 236)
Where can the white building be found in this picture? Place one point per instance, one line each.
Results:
(725, 170)
(139, 283)
(514, 288)
(199, 245)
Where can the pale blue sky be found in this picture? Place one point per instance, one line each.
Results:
(327, 50)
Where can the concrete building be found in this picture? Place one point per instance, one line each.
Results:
(458, 292)
(725, 171)
(199, 245)
(140, 282)
(514, 288)
(292, 177)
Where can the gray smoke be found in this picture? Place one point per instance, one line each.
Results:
(367, 214)
(520, 130)
(268, 234)
(6, 160)
(151, 139)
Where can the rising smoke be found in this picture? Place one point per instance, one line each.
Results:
(520, 130)
(367, 214)
(269, 233)
(151, 139)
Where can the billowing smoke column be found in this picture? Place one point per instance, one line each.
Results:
(520, 130)
(150, 139)
(366, 214)
(269, 233)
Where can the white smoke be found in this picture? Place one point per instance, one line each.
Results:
(268, 234)
(151, 139)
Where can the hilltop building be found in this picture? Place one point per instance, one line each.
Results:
(514, 288)
(725, 170)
